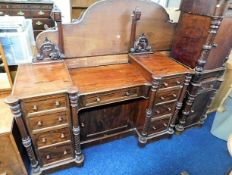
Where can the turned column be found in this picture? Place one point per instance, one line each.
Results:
(149, 111)
(179, 103)
(73, 97)
(26, 140)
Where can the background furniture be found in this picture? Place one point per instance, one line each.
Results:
(203, 42)
(5, 76)
(39, 11)
(11, 161)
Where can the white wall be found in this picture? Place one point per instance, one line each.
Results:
(65, 7)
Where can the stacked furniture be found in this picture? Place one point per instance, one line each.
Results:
(203, 42)
(39, 11)
(99, 79)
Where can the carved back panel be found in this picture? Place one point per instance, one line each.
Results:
(105, 28)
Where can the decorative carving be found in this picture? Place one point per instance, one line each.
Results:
(73, 97)
(16, 111)
(48, 51)
(141, 46)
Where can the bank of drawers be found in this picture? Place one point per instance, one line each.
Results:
(165, 103)
(48, 122)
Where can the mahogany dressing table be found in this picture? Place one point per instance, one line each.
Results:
(105, 76)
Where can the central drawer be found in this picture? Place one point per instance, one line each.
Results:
(52, 137)
(111, 96)
(55, 153)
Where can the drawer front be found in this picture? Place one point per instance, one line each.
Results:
(52, 137)
(38, 24)
(38, 13)
(55, 153)
(107, 97)
(44, 103)
(172, 81)
(20, 12)
(158, 125)
(48, 120)
(167, 95)
(164, 109)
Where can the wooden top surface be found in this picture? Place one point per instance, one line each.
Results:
(104, 78)
(6, 118)
(37, 79)
(160, 64)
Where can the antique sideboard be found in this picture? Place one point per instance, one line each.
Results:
(123, 68)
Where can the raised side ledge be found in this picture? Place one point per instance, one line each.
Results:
(105, 27)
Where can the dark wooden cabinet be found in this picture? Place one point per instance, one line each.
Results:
(112, 74)
(39, 11)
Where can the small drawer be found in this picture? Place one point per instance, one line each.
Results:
(172, 81)
(111, 96)
(167, 95)
(158, 125)
(38, 23)
(41, 13)
(48, 120)
(44, 103)
(164, 109)
(20, 12)
(55, 153)
(52, 137)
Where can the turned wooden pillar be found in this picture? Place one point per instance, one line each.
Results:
(179, 103)
(149, 111)
(26, 140)
(73, 97)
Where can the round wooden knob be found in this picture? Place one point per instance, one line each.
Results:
(98, 99)
(65, 152)
(39, 123)
(174, 95)
(169, 109)
(157, 112)
(127, 94)
(162, 98)
(57, 103)
(177, 82)
(62, 135)
(165, 84)
(165, 124)
(82, 125)
(60, 119)
(44, 140)
(35, 108)
(48, 157)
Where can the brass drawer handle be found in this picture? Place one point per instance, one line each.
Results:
(39, 123)
(162, 98)
(20, 13)
(41, 12)
(62, 135)
(157, 112)
(82, 125)
(60, 119)
(178, 82)
(98, 99)
(165, 125)
(44, 140)
(57, 103)
(169, 109)
(174, 95)
(35, 108)
(127, 94)
(165, 84)
(38, 23)
(48, 157)
(65, 152)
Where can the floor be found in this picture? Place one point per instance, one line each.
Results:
(195, 151)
